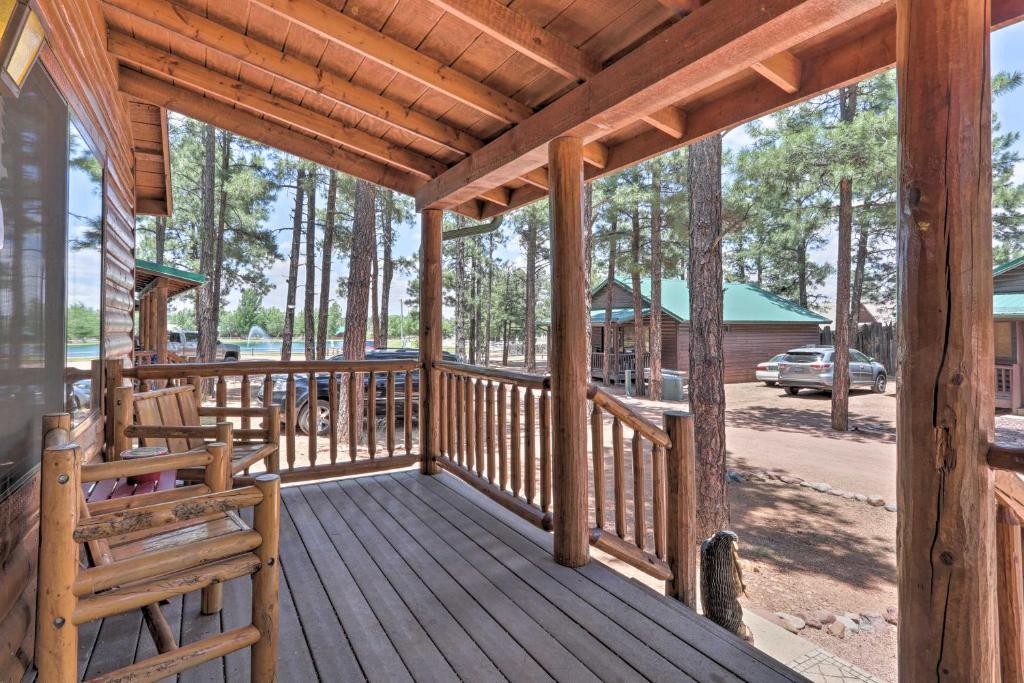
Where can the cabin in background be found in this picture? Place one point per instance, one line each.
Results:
(1008, 331)
(758, 325)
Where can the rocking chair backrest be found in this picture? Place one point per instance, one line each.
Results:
(169, 407)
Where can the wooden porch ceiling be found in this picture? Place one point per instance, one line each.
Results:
(454, 101)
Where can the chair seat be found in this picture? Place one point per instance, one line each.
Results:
(245, 454)
(179, 535)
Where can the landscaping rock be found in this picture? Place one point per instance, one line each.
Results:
(850, 624)
(849, 495)
(822, 487)
(807, 484)
(876, 501)
(790, 480)
(735, 476)
(892, 616)
(825, 617)
(837, 492)
(891, 507)
(837, 629)
(791, 623)
(872, 621)
(860, 496)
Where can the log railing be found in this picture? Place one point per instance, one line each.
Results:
(496, 435)
(361, 421)
(1008, 464)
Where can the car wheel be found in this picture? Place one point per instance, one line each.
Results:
(230, 357)
(323, 419)
(792, 391)
(769, 384)
(879, 386)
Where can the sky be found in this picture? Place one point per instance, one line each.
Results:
(1007, 55)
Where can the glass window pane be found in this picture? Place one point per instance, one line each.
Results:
(85, 275)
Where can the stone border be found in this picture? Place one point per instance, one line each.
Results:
(821, 487)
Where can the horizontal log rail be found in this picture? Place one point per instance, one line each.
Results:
(362, 419)
(1008, 463)
(495, 434)
(1008, 458)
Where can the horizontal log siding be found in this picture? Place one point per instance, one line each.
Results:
(75, 58)
(747, 344)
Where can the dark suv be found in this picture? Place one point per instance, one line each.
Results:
(323, 390)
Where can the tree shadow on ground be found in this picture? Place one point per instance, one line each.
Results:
(795, 530)
(863, 428)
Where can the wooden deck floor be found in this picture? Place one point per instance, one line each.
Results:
(403, 577)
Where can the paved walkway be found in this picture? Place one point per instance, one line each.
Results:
(821, 666)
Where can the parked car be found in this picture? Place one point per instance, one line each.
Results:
(280, 388)
(811, 367)
(186, 342)
(768, 372)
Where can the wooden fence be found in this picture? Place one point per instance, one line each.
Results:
(874, 339)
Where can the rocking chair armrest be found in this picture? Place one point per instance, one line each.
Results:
(234, 411)
(173, 431)
(115, 469)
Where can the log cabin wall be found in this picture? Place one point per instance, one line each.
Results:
(76, 60)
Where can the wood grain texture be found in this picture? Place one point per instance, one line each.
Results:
(430, 338)
(946, 531)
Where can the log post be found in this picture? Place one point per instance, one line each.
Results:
(1010, 581)
(430, 337)
(681, 509)
(159, 302)
(114, 378)
(218, 478)
(122, 418)
(265, 582)
(56, 635)
(946, 533)
(567, 353)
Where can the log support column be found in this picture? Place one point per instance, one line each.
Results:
(567, 353)
(430, 338)
(946, 531)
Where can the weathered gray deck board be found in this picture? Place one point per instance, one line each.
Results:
(402, 577)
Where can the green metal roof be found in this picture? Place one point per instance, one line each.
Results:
(178, 280)
(1009, 265)
(1008, 305)
(742, 303)
(619, 315)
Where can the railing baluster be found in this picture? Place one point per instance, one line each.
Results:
(490, 423)
(407, 407)
(246, 398)
(478, 420)
(289, 411)
(268, 394)
(470, 389)
(353, 417)
(545, 450)
(390, 419)
(371, 414)
(222, 396)
(502, 439)
(658, 479)
(514, 439)
(332, 415)
(442, 386)
(312, 416)
(639, 518)
(619, 465)
(460, 418)
(597, 445)
(531, 443)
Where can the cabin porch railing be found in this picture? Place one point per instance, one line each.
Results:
(359, 434)
(620, 362)
(496, 435)
(1008, 464)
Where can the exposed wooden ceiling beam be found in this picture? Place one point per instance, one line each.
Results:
(670, 120)
(595, 154)
(519, 33)
(784, 70)
(681, 61)
(214, 36)
(261, 102)
(338, 27)
(686, 6)
(265, 131)
(871, 51)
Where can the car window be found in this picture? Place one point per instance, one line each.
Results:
(803, 357)
(777, 358)
(857, 356)
(192, 336)
(172, 337)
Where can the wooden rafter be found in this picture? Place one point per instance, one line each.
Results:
(680, 62)
(261, 102)
(214, 36)
(783, 69)
(225, 116)
(516, 31)
(342, 29)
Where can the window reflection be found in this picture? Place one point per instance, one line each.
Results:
(84, 277)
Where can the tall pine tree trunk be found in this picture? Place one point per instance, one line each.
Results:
(364, 234)
(801, 270)
(857, 293)
(375, 292)
(655, 282)
(309, 309)
(387, 265)
(325, 266)
(161, 238)
(588, 264)
(610, 346)
(639, 343)
(460, 291)
(530, 325)
(293, 264)
(707, 369)
(222, 213)
(841, 357)
(490, 299)
(205, 301)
